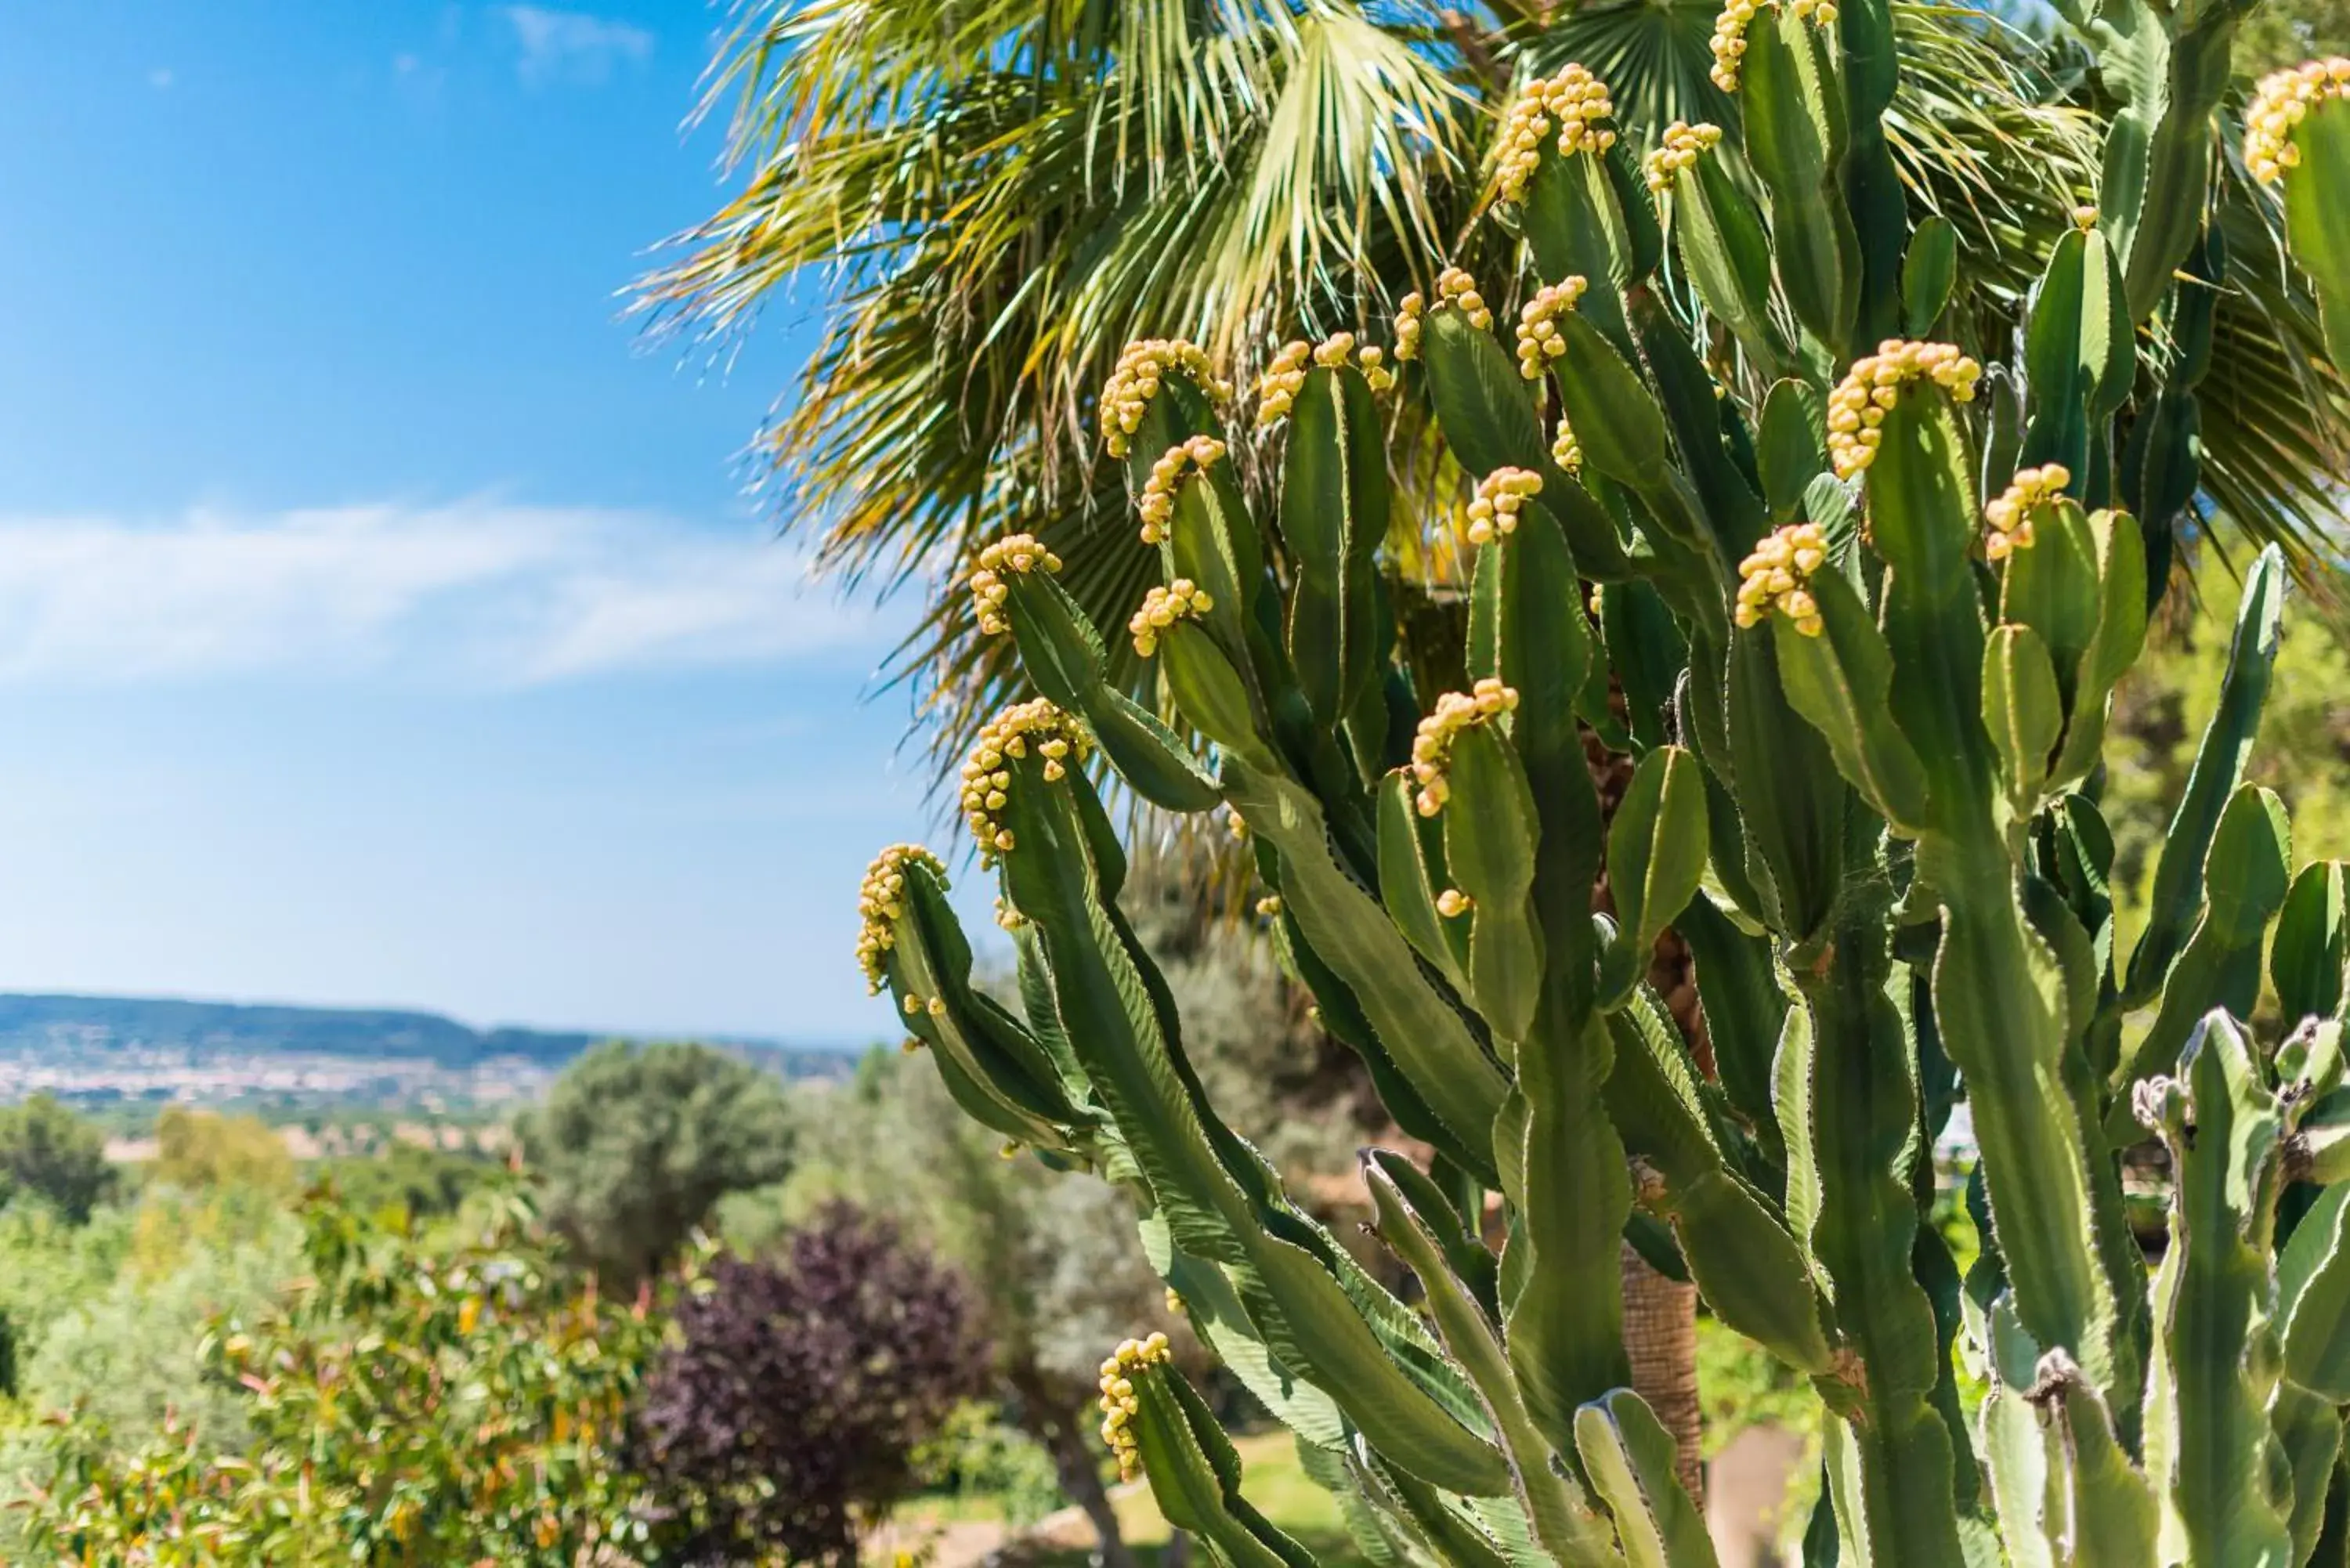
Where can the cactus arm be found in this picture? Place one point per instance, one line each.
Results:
(1656, 855)
(1334, 512)
(1872, 185)
(2218, 768)
(1465, 1254)
(2224, 1477)
(1722, 244)
(1563, 1518)
(2308, 960)
(2314, 1300)
(1693, 409)
(2023, 710)
(1861, 1103)
(1616, 420)
(2170, 66)
(1565, 1324)
(1796, 139)
(992, 1065)
(2111, 1515)
(1525, 632)
(1411, 874)
(1489, 420)
(1061, 654)
(1577, 228)
(1842, 682)
(2315, 221)
(2113, 646)
(1342, 1018)
(1631, 1460)
(2245, 883)
(1489, 840)
(2026, 1482)
(1430, 1042)
(1794, 446)
(1744, 1007)
(1195, 1474)
(1646, 653)
(2080, 352)
(1929, 271)
(1753, 1274)
(1217, 1317)
(1789, 794)
(1445, 1528)
(2309, 1429)
(1111, 1017)
(1998, 996)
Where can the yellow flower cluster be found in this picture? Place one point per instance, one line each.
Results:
(881, 900)
(1453, 903)
(1163, 607)
(1158, 503)
(1118, 1403)
(1678, 150)
(1431, 748)
(1730, 32)
(1577, 102)
(1453, 287)
(1778, 575)
(1565, 449)
(1277, 389)
(1538, 337)
(2010, 516)
(1135, 380)
(986, 781)
(1500, 496)
(2283, 100)
(1269, 905)
(1013, 553)
(1874, 385)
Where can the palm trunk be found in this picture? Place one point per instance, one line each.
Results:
(1660, 1338)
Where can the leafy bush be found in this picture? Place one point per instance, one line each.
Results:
(634, 1146)
(49, 1152)
(787, 1415)
(413, 1400)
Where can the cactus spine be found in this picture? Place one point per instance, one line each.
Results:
(1865, 632)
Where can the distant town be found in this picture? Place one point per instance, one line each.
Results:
(123, 1058)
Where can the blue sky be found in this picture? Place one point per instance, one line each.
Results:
(381, 621)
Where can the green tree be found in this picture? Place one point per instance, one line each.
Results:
(46, 1149)
(417, 1399)
(204, 1150)
(633, 1146)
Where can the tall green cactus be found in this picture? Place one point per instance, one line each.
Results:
(1859, 627)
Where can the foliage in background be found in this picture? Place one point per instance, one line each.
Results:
(635, 1145)
(200, 1150)
(426, 1183)
(47, 1151)
(783, 1417)
(413, 1401)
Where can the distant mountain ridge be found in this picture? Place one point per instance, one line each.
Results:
(40, 1024)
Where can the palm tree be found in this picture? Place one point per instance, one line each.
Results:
(995, 197)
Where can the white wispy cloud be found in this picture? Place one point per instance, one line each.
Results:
(573, 44)
(483, 591)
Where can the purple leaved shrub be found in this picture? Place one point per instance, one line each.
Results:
(782, 1417)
